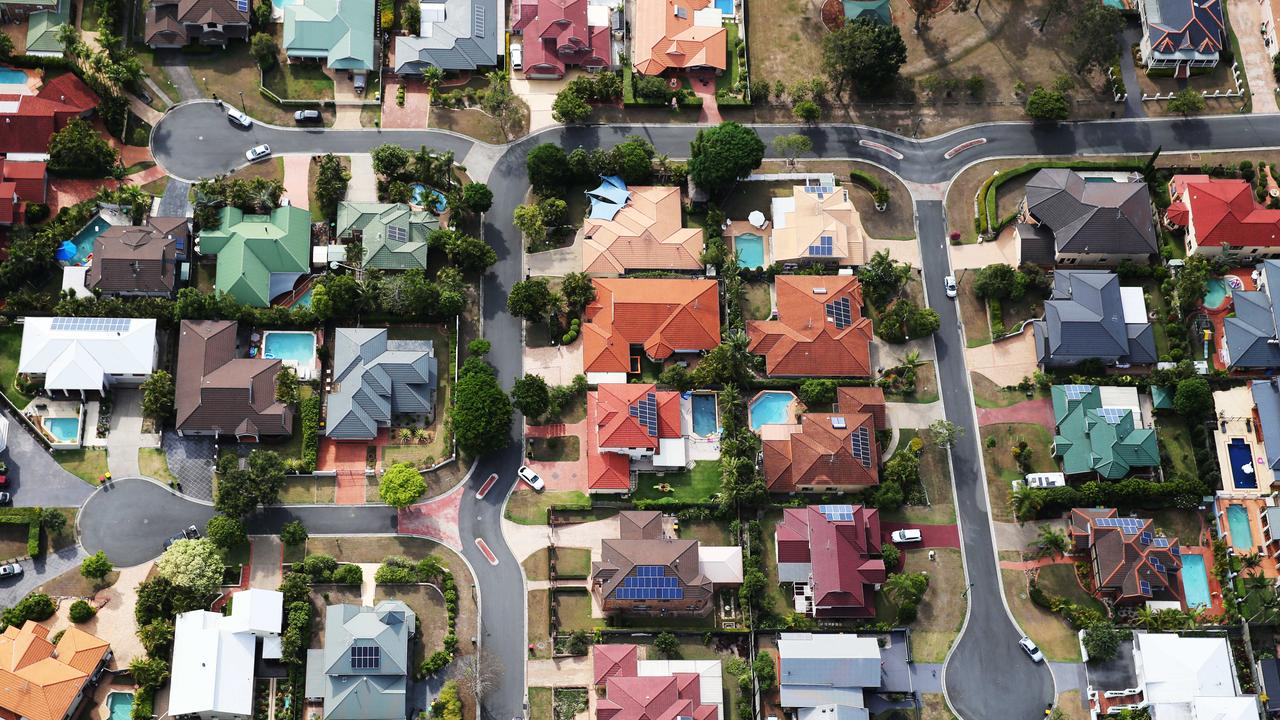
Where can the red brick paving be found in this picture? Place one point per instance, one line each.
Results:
(417, 105)
(932, 536)
(1036, 563)
(1037, 412)
(435, 519)
(348, 461)
(704, 86)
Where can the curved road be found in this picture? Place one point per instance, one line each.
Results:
(986, 674)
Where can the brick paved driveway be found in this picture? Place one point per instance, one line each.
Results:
(190, 460)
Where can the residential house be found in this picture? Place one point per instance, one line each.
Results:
(1089, 316)
(831, 556)
(178, 23)
(336, 32)
(1251, 337)
(678, 35)
(393, 236)
(825, 677)
(1101, 431)
(218, 392)
(43, 19)
(876, 11)
(1181, 37)
(136, 260)
(1266, 423)
(21, 181)
(375, 379)
(452, 35)
(1069, 219)
(1221, 217)
(645, 572)
(44, 680)
(1245, 413)
(817, 224)
(820, 331)
(16, 10)
(656, 318)
(637, 228)
(1129, 563)
(82, 356)
(259, 256)
(826, 452)
(214, 656)
(560, 34)
(635, 688)
(629, 423)
(362, 673)
(1180, 677)
(28, 121)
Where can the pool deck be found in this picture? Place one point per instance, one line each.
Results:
(1236, 411)
(1218, 314)
(1254, 507)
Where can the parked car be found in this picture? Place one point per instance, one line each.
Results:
(528, 475)
(10, 570)
(517, 57)
(306, 116)
(949, 282)
(191, 533)
(239, 118)
(258, 152)
(906, 535)
(1030, 648)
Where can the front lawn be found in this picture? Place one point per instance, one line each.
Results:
(13, 540)
(232, 74)
(298, 81)
(10, 351)
(554, 449)
(697, 485)
(88, 464)
(973, 311)
(573, 608)
(539, 620)
(925, 390)
(527, 507)
(987, 394)
(540, 703)
(308, 490)
(573, 563)
(1056, 639)
(1061, 580)
(152, 463)
(312, 177)
(1001, 467)
(941, 612)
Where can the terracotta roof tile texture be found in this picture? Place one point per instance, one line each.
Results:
(843, 554)
(40, 681)
(806, 339)
(646, 234)
(664, 36)
(1222, 212)
(663, 316)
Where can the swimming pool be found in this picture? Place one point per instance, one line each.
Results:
(750, 249)
(1195, 582)
(64, 429)
(10, 76)
(304, 300)
(1240, 455)
(725, 7)
(420, 192)
(704, 415)
(297, 347)
(1216, 294)
(771, 408)
(1241, 531)
(119, 705)
(83, 240)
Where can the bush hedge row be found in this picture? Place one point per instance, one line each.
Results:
(310, 432)
(24, 516)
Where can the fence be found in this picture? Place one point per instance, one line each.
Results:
(1235, 76)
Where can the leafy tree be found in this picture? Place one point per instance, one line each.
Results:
(1102, 641)
(149, 672)
(81, 611)
(52, 520)
(923, 9)
(96, 566)
(401, 485)
(194, 565)
(882, 277)
(77, 150)
(1187, 102)
(667, 645)
(1026, 502)
(529, 220)
(807, 111)
(476, 197)
(548, 169)
(331, 183)
(1193, 398)
(481, 412)
(287, 386)
(892, 556)
(1000, 281)
(923, 322)
(764, 670)
(1047, 105)
(632, 160)
(391, 161)
(530, 299)
(818, 392)
(945, 433)
(888, 496)
(1192, 281)
(470, 254)
(1051, 541)
(225, 532)
(157, 396)
(569, 107)
(410, 17)
(479, 347)
(531, 396)
(293, 533)
(263, 48)
(722, 155)
(1093, 35)
(864, 55)
(578, 290)
(789, 146)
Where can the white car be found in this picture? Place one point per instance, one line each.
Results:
(1030, 648)
(949, 283)
(257, 153)
(238, 117)
(517, 57)
(10, 570)
(909, 535)
(306, 116)
(528, 475)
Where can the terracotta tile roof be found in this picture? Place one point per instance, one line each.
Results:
(644, 235)
(28, 121)
(820, 331)
(844, 572)
(822, 450)
(664, 36)
(606, 472)
(219, 391)
(663, 316)
(1222, 212)
(30, 178)
(817, 219)
(1131, 563)
(617, 427)
(611, 661)
(653, 697)
(39, 681)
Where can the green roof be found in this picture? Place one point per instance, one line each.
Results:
(394, 236)
(259, 256)
(1092, 438)
(340, 31)
(877, 10)
(1161, 397)
(42, 30)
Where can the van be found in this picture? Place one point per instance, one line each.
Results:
(517, 57)
(1046, 480)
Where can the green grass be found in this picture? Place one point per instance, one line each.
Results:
(1061, 580)
(573, 562)
(10, 350)
(555, 449)
(1175, 439)
(153, 464)
(539, 615)
(88, 464)
(697, 485)
(539, 703)
(530, 508)
(574, 612)
(299, 81)
(756, 303)
(987, 394)
(1182, 524)
(1002, 469)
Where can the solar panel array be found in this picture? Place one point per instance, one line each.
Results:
(1175, 549)
(77, 324)
(1145, 537)
(840, 312)
(1075, 392)
(837, 513)
(1161, 542)
(650, 583)
(1128, 526)
(646, 411)
(823, 247)
(242, 5)
(397, 234)
(1145, 587)
(1155, 563)
(366, 657)
(1112, 415)
(820, 190)
(861, 441)
(477, 21)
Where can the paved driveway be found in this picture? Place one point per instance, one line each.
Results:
(35, 478)
(38, 571)
(931, 536)
(1005, 362)
(125, 438)
(191, 461)
(363, 186)
(296, 168)
(1247, 17)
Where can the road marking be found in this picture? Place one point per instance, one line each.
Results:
(964, 146)
(484, 548)
(881, 147)
(484, 489)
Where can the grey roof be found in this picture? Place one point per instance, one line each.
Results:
(1271, 683)
(373, 693)
(462, 35)
(375, 378)
(1185, 29)
(1266, 398)
(830, 669)
(1092, 217)
(393, 235)
(833, 712)
(1037, 244)
(1252, 340)
(1084, 319)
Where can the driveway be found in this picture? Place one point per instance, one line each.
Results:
(931, 536)
(191, 461)
(35, 478)
(176, 201)
(266, 555)
(37, 571)
(557, 365)
(555, 263)
(125, 438)
(1005, 362)
(296, 170)
(913, 415)
(1003, 250)
(539, 95)
(363, 186)
(1247, 17)
(904, 251)
(416, 111)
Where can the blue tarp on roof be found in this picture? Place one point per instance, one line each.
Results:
(609, 198)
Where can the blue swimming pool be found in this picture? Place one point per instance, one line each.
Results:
(725, 6)
(10, 76)
(771, 408)
(65, 429)
(83, 240)
(1243, 474)
(704, 415)
(1195, 582)
(119, 705)
(304, 300)
(300, 347)
(1216, 294)
(420, 193)
(1241, 531)
(750, 249)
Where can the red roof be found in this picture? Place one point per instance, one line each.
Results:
(843, 573)
(556, 35)
(1222, 212)
(30, 120)
(612, 660)
(663, 316)
(611, 424)
(29, 177)
(820, 331)
(824, 450)
(628, 697)
(8, 202)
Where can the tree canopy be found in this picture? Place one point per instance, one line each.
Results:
(864, 55)
(1093, 35)
(722, 155)
(531, 396)
(77, 150)
(195, 565)
(548, 169)
(401, 485)
(481, 412)
(1047, 105)
(530, 299)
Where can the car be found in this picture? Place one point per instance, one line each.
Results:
(239, 118)
(307, 116)
(906, 535)
(10, 570)
(949, 284)
(1030, 648)
(258, 152)
(527, 474)
(517, 57)
(191, 533)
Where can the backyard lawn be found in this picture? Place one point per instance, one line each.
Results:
(1175, 439)
(153, 464)
(707, 532)
(574, 611)
(987, 394)
(527, 507)
(779, 601)
(88, 464)
(1001, 467)
(697, 485)
(10, 351)
(756, 303)
(1056, 639)
(1185, 525)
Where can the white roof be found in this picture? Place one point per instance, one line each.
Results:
(257, 611)
(1175, 671)
(708, 17)
(1133, 304)
(779, 208)
(720, 564)
(73, 278)
(1233, 708)
(212, 667)
(1121, 397)
(671, 453)
(709, 682)
(599, 16)
(78, 353)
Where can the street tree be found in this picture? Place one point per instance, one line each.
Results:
(1000, 281)
(195, 565)
(391, 161)
(481, 412)
(1047, 105)
(807, 111)
(945, 433)
(531, 396)
(864, 55)
(401, 485)
(569, 107)
(293, 533)
(225, 532)
(722, 155)
(789, 146)
(476, 198)
(96, 566)
(530, 299)
(1187, 102)
(548, 169)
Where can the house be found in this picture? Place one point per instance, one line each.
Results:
(44, 680)
(177, 23)
(136, 260)
(1221, 216)
(1068, 219)
(1181, 36)
(1250, 336)
(825, 677)
(629, 423)
(678, 35)
(637, 228)
(1129, 562)
(220, 393)
(44, 19)
(820, 331)
(876, 11)
(75, 355)
(214, 656)
(362, 673)
(337, 32)
(817, 224)
(259, 256)
(392, 235)
(374, 379)
(28, 121)
(831, 555)
(560, 34)
(826, 452)
(645, 572)
(658, 318)
(1101, 431)
(21, 181)
(1089, 316)
(1190, 677)
(452, 35)
(13, 10)
(636, 688)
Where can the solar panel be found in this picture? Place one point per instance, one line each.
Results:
(838, 422)
(1145, 587)
(79, 324)
(861, 441)
(1113, 415)
(819, 189)
(366, 657)
(823, 247)
(1075, 392)
(649, 583)
(242, 5)
(1176, 550)
(1155, 563)
(646, 411)
(1145, 538)
(840, 312)
(397, 234)
(837, 513)
(1160, 542)
(477, 21)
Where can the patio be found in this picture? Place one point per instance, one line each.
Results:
(1239, 523)
(1237, 442)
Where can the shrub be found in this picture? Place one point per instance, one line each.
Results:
(348, 574)
(293, 533)
(37, 213)
(394, 575)
(310, 410)
(81, 611)
(36, 606)
(435, 662)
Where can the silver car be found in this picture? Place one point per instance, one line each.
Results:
(1030, 648)
(258, 152)
(10, 570)
(306, 116)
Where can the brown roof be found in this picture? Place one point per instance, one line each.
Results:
(40, 681)
(1131, 563)
(219, 391)
(663, 316)
(640, 525)
(640, 543)
(137, 258)
(170, 18)
(820, 331)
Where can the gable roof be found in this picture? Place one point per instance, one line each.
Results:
(559, 33)
(638, 228)
(1092, 217)
(218, 391)
(820, 331)
(393, 235)
(817, 222)
(376, 690)
(1185, 27)
(251, 249)
(1222, 212)
(677, 34)
(375, 378)
(816, 670)
(80, 353)
(836, 543)
(340, 31)
(213, 655)
(30, 120)
(1131, 562)
(137, 258)
(1090, 316)
(823, 449)
(40, 680)
(651, 691)
(452, 35)
(1094, 438)
(167, 20)
(663, 316)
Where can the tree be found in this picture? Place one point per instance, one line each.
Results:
(816, 392)
(287, 386)
(864, 55)
(390, 161)
(531, 396)
(632, 160)
(1193, 398)
(1051, 541)
(77, 150)
(331, 184)
(923, 9)
(530, 299)
(149, 672)
(52, 520)
(882, 277)
(945, 433)
(1093, 35)
(764, 670)
(96, 566)
(194, 565)
(157, 396)
(529, 220)
(1047, 105)
(807, 111)
(470, 254)
(81, 611)
(789, 146)
(906, 588)
(667, 645)
(722, 155)
(578, 290)
(1026, 502)
(293, 533)
(401, 485)
(1000, 281)
(923, 322)
(569, 107)
(225, 532)
(263, 48)
(476, 198)
(481, 412)
(1102, 641)
(548, 169)
(1187, 102)
(410, 16)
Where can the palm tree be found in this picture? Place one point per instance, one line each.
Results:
(1251, 561)
(912, 359)
(899, 587)
(1146, 617)
(1026, 503)
(1051, 541)
(432, 76)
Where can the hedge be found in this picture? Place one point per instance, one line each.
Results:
(991, 186)
(865, 179)
(143, 699)
(310, 431)
(25, 516)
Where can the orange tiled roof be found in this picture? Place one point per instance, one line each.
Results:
(664, 316)
(614, 424)
(806, 340)
(817, 453)
(645, 235)
(34, 683)
(664, 36)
